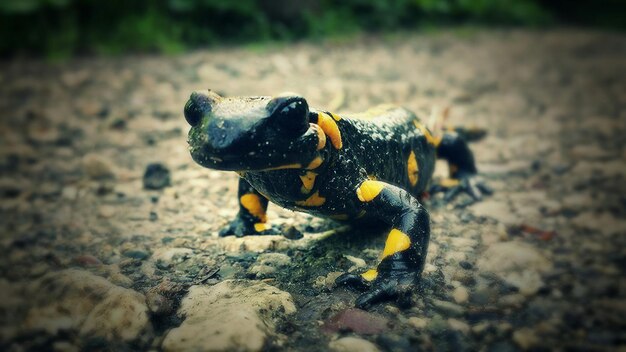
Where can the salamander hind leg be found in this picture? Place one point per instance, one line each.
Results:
(402, 259)
(463, 173)
(252, 217)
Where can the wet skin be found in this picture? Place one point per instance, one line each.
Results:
(374, 165)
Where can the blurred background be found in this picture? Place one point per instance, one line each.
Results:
(62, 28)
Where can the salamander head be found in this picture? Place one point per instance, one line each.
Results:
(249, 133)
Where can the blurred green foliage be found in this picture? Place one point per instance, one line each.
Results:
(59, 28)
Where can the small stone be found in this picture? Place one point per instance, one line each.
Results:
(157, 303)
(268, 263)
(418, 323)
(156, 176)
(494, 209)
(86, 260)
(459, 325)
(97, 168)
(517, 263)
(448, 308)
(106, 211)
(59, 303)
(137, 254)
(170, 256)
(460, 295)
(327, 281)
(356, 320)
(525, 338)
(352, 344)
(234, 315)
(358, 262)
(437, 325)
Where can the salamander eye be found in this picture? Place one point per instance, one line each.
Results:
(291, 112)
(193, 113)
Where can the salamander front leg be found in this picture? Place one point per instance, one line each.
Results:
(404, 254)
(252, 217)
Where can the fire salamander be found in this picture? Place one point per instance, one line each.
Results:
(374, 165)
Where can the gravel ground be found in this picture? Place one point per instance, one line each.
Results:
(98, 257)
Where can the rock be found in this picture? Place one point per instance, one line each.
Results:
(358, 262)
(86, 260)
(137, 254)
(418, 323)
(448, 308)
(356, 320)
(437, 325)
(459, 325)
(327, 281)
(171, 256)
(97, 168)
(268, 263)
(460, 294)
(352, 344)
(494, 209)
(77, 301)
(604, 223)
(525, 338)
(157, 303)
(156, 176)
(517, 263)
(232, 315)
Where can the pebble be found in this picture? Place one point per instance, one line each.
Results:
(358, 262)
(97, 167)
(459, 325)
(460, 295)
(269, 263)
(418, 323)
(156, 177)
(356, 320)
(525, 338)
(170, 256)
(518, 263)
(234, 315)
(59, 304)
(352, 344)
(448, 308)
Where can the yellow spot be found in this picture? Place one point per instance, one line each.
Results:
(282, 167)
(429, 137)
(253, 205)
(315, 200)
(308, 180)
(372, 177)
(321, 137)
(370, 274)
(335, 117)
(397, 241)
(261, 226)
(449, 182)
(340, 217)
(413, 169)
(330, 128)
(369, 189)
(315, 163)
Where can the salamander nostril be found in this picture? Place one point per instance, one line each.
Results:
(193, 112)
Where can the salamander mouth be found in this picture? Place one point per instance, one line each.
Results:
(244, 162)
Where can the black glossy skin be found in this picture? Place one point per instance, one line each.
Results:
(256, 135)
